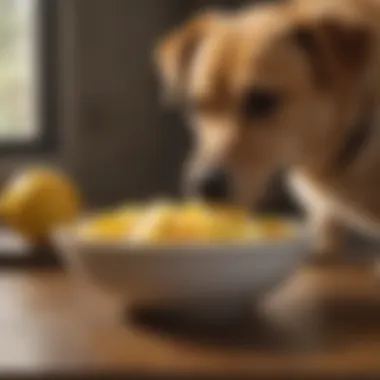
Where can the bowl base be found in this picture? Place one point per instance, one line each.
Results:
(239, 325)
(205, 313)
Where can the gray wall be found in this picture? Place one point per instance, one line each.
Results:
(119, 142)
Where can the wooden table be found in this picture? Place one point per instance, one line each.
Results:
(323, 322)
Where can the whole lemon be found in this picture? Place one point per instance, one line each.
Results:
(38, 200)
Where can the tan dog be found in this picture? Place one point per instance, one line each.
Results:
(292, 86)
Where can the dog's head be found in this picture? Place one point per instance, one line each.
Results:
(258, 87)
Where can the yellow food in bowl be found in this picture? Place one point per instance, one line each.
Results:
(269, 229)
(110, 226)
(166, 223)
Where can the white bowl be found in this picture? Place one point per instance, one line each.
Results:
(158, 274)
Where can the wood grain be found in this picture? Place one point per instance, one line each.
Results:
(323, 322)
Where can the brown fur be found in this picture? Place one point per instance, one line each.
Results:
(322, 59)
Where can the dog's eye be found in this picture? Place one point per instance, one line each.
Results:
(259, 104)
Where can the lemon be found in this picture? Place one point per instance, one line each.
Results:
(38, 200)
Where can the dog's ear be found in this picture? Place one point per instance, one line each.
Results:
(173, 55)
(334, 48)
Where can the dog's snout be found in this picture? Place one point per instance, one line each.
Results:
(214, 186)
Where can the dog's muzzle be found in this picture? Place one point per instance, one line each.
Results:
(212, 186)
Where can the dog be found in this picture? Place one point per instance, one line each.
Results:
(293, 87)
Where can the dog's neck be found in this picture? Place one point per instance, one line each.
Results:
(339, 150)
(357, 136)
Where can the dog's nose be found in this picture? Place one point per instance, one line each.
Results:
(214, 186)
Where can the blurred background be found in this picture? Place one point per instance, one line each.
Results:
(78, 89)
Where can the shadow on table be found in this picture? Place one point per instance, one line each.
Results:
(249, 331)
(306, 323)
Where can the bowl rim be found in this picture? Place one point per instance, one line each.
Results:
(68, 235)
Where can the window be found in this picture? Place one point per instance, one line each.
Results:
(28, 46)
(26, 75)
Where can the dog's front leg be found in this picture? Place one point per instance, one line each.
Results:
(329, 237)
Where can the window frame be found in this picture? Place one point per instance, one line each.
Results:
(47, 72)
(14, 154)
